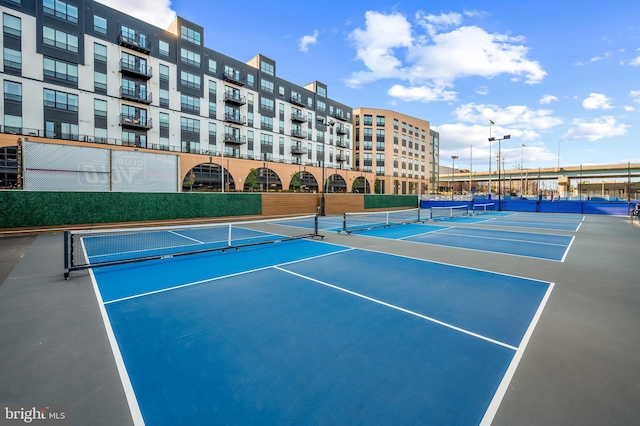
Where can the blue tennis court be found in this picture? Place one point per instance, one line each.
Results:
(536, 245)
(307, 332)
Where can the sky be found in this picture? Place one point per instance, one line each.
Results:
(562, 78)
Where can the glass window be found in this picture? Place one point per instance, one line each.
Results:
(213, 66)
(164, 72)
(322, 91)
(190, 35)
(12, 58)
(61, 70)
(12, 91)
(100, 52)
(189, 57)
(190, 80)
(267, 68)
(12, 25)
(60, 39)
(163, 48)
(99, 24)
(100, 80)
(100, 108)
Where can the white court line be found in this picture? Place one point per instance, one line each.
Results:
(425, 233)
(511, 370)
(398, 308)
(566, 252)
(188, 238)
(191, 284)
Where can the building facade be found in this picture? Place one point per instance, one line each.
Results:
(77, 70)
(402, 151)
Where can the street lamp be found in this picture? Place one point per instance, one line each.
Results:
(521, 167)
(453, 170)
(331, 124)
(490, 139)
(499, 157)
(559, 155)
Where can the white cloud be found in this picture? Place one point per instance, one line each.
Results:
(603, 127)
(421, 93)
(547, 99)
(596, 101)
(155, 12)
(308, 40)
(426, 55)
(520, 118)
(482, 90)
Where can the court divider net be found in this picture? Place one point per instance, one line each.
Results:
(362, 221)
(90, 248)
(448, 212)
(483, 208)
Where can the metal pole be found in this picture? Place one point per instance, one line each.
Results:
(521, 167)
(222, 167)
(490, 159)
(499, 176)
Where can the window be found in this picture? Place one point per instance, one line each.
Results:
(322, 91)
(266, 123)
(190, 35)
(60, 100)
(60, 70)
(266, 103)
(12, 25)
(322, 107)
(267, 68)
(164, 72)
(189, 57)
(213, 66)
(100, 81)
(189, 103)
(60, 10)
(60, 39)
(164, 98)
(250, 80)
(189, 80)
(368, 120)
(164, 120)
(380, 120)
(12, 91)
(100, 108)
(189, 125)
(163, 48)
(212, 110)
(12, 59)
(99, 24)
(99, 52)
(266, 86)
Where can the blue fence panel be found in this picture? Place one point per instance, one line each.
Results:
(561, 207)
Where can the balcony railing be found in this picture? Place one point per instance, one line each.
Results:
(237, 119)
(235, 98)
(135, 95)
(300, 118)
(298, 150)
(134, 121)
(339, 116)
(340, 142)
(297, 100)
(140, 70)
(341, 130)
(341, 158)
(135, 43)
(234, 139)
(233, 78)
(298, 133)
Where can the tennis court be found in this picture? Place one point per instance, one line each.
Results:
(310, 332)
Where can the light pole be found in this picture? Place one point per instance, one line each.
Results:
(331, 124)
(453, 171)
(521, 167)
(559, 155)
(499, 157)
(490, 139)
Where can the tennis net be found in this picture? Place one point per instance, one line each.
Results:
(93, 248)
(483, 208)
(448, 212)
(362, 221)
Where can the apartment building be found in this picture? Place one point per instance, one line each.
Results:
(79, 71)
(402, 151)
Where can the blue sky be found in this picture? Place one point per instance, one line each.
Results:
(558, 76)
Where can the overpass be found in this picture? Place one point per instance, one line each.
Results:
(533, 179)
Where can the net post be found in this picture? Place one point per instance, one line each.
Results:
(229, 237)
(66, 255)
(344, 222)
(315, 226)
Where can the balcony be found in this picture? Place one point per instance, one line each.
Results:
(129, 67)
(234, 98)
(235, 118)
(298, 118)
(298, 150)
(137, 43)
(339, 116)
(298, 133)
(234, 139)
(297, 100)
(234, 78)
(135, 122)
(341, 158)
(135, 95)
(341, 130)
(340, 142)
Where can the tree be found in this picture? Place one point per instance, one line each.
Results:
(295, 180)
(377, 186)
(252, 180)
(396, 184)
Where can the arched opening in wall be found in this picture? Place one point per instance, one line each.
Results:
(9, 167)
(208, 177)
(336, 183)
(303, 181)
(361, 185)
(262, 179)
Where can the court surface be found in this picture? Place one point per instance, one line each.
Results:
(310, 332)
